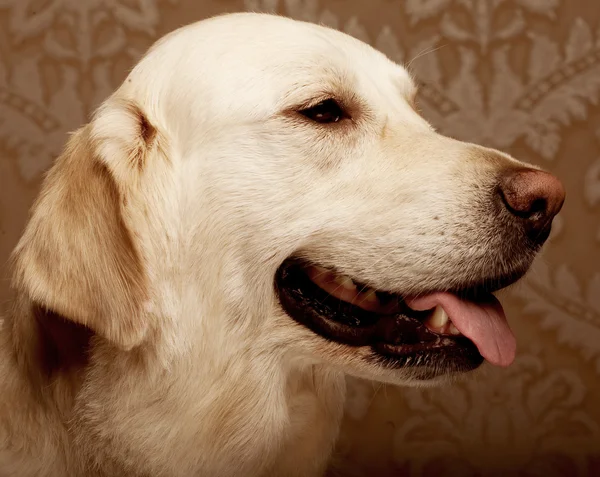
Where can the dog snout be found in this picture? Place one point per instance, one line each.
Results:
(533, 197)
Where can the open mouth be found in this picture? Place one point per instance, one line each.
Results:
(439, 329)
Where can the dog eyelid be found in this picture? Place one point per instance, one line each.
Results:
(326, 111)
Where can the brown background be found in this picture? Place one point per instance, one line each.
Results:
(520, 75)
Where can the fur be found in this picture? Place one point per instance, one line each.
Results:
(146, 338)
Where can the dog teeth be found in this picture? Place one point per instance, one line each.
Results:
(343, 288)
(345, 282)
(370, 296)
(440, 323)
(439, 318)
(321, 271)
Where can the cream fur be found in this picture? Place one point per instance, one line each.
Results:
(161, 226)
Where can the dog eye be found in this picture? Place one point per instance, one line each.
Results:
(328, 111)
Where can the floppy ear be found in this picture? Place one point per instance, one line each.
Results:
(78, 257)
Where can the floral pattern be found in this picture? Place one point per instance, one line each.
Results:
(519, 75)
(70, 29)
(480, 426)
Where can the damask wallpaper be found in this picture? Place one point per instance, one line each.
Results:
(519, 75)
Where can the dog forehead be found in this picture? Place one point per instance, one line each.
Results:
(261, 50)
(245, 68)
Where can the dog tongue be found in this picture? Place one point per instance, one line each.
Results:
(484, 323)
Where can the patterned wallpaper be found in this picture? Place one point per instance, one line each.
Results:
(519, 75)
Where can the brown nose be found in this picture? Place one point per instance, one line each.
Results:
(535, 197)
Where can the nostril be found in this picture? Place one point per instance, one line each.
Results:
(532, 210)
(533, 196)
(520, 205)
(538, 206)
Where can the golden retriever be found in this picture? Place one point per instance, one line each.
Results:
(257, 211)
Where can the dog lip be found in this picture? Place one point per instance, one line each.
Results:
(401, 336)
(473, 290)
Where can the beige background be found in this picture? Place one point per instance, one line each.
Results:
(520, 75)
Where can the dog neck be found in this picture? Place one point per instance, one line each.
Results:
(49, 351)
(297, 405)
(41, 395)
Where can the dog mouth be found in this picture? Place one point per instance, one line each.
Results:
(454, 330)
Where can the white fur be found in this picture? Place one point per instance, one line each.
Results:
(208, 376)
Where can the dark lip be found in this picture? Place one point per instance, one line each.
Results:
(472, 290)
(398, 340)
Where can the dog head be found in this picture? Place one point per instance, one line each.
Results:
(260, 186)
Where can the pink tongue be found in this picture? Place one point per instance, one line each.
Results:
(483, 323)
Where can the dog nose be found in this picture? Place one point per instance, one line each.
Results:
(534, 197)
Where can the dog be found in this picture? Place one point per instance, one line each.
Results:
(256, 212)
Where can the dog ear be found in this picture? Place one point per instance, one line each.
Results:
(78, 257)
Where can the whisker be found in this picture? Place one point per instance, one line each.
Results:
(426, 51)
